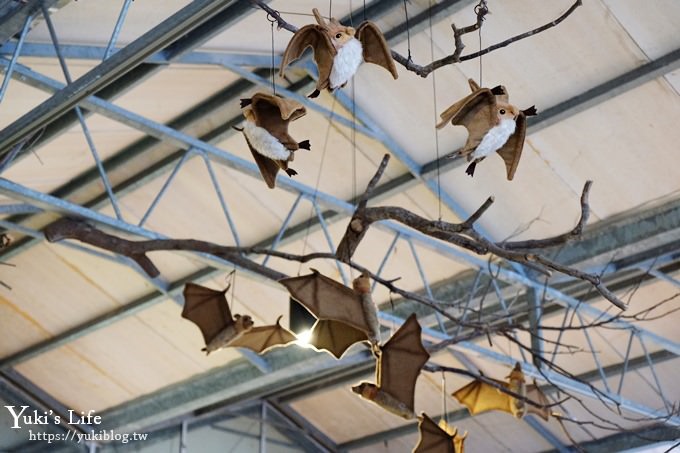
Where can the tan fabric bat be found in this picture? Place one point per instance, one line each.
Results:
(493, 125)
(339, 50)
(480, 397)
(397, 370)
(438, 438)
(209, 310)
(266, 132)
(345, 316)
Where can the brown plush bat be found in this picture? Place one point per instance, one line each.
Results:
(397, 370)
(266, 132)
(480, 397)
(440, 438)
(339, 50)
(345, 315)
(209, 310)
(493, 125)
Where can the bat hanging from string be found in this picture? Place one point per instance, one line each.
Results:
(478, 396)
(438, 438)
(397, 369)
(209, 310)
(344, 315)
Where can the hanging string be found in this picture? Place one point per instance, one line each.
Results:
(445, 413)
(481, 10)
(434, 103)
(271, 69)
(330, 8)
(318, 180)
(408, 33)
(364, 10)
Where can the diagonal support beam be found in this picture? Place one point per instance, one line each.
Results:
(176, 26)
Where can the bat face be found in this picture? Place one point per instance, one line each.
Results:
(244, 322)
(506, 112)
(341, 37)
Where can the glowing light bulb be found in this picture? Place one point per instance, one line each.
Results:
(303, 338)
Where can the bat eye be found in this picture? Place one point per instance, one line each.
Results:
(502, 111)
(338, 36)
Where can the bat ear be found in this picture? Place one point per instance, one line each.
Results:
(473, 85)
(319, 18)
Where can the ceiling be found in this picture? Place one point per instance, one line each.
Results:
(151, 153)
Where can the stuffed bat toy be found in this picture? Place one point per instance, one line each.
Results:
(209, 310)
(480, 397)
(266, 132)
(440, 438)
(493, 125)
(397, 369)
(344, 316)
(339, 50)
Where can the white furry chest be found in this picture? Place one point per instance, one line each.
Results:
(346, 62)
(264, 143)
(495, 138)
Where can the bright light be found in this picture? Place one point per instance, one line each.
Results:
(303, 338)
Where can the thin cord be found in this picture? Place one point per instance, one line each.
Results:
(271, 69)
(318, 181)
(408, 33)
(480, 57)
(330, 8)
(364, 10)
(434, 103)
(480, 10)
(445, 414)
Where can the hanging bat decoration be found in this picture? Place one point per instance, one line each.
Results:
(262, 339)
(493, 125)
(209, 310)
(266, 132)
(344, 316)
(397, 369)
(339, 50)
(438, 438)
(480, 397)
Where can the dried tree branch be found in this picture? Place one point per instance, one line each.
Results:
(455, 57)
(465, 236)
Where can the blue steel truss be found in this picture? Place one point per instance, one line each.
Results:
(30, 201)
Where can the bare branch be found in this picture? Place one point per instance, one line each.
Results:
(455, 57)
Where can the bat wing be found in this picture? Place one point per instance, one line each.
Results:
(206, 308)
(480, 397)
(315, 37)
(375, 48)
(477, 112)
(400, 362)
(268, 167)
(273, 113)
(335, 337)
(512, 150)
(327, 299)
(535, 394)
(433, 439)
(261, 339)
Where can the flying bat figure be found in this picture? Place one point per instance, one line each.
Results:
(480, 397)
(339, 50)
(344, 315)
(438, 438)
(493, 125)
(266, 131)
(209, 310)
(397, 368)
